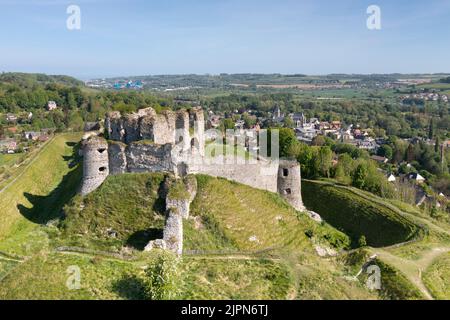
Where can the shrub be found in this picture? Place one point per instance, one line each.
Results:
(162, 278)
(362, 241)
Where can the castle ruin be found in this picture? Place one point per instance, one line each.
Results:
(174, 142)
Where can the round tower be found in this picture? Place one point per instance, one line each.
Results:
(289, 183)
(95, 164)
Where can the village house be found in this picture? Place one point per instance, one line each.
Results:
(368, 144)
(416, 177)
(277, 116)
(51, 105)
(32, 135)
(335, 125)
(11, 118)
(8, 145)
(391, 178)
(299, 119)
(213, 122)
(379, 159)
(12, 130)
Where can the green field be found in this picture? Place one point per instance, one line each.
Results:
(240, 243)
(9, 159)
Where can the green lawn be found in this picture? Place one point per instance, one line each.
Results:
(8, 160)
(38, 195)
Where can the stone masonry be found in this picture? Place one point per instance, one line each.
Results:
(174, 142)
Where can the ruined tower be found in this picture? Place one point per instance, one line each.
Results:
(197, 123)
(289, 183)
(182, 130)
(95, 164)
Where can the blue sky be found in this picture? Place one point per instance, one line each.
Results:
(139, 37)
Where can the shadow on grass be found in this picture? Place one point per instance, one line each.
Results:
(46, 208)
(130, 287)
(140, 239)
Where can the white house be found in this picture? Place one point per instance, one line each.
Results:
(391, 178)
(51, 105)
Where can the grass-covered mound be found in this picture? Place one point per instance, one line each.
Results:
(126, 210)
(231, 216)
(437, 278)
(357, 216)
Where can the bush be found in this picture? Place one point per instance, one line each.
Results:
(362, 241)
(162, 278)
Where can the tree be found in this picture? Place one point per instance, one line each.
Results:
(305, 155)
(287, 139)
(362, 241)
(288, 123)
(318, 141)
(410, 153)
(431, 129)
(359, 176)
(325, 158)
(228, 124)
(386, 151)
(344, 169)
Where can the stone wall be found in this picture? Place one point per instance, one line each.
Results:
(140, 156)
(148, 157)
(173, 232)
(178, 207)
(117, 157)
(261, 175)
(145, 124)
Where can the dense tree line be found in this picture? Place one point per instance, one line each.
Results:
(385, 118)
(22, 94)
(344, 163)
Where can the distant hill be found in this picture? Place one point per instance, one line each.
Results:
(30, 79)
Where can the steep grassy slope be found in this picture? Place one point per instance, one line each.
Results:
(125, 210)
(357, 216)
(236, 217)
(37, 195)
(437, 278)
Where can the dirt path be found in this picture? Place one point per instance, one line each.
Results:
(413, 269)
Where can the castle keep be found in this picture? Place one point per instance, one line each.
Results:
(174, 142)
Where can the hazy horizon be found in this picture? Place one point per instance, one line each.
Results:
(224, 36)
